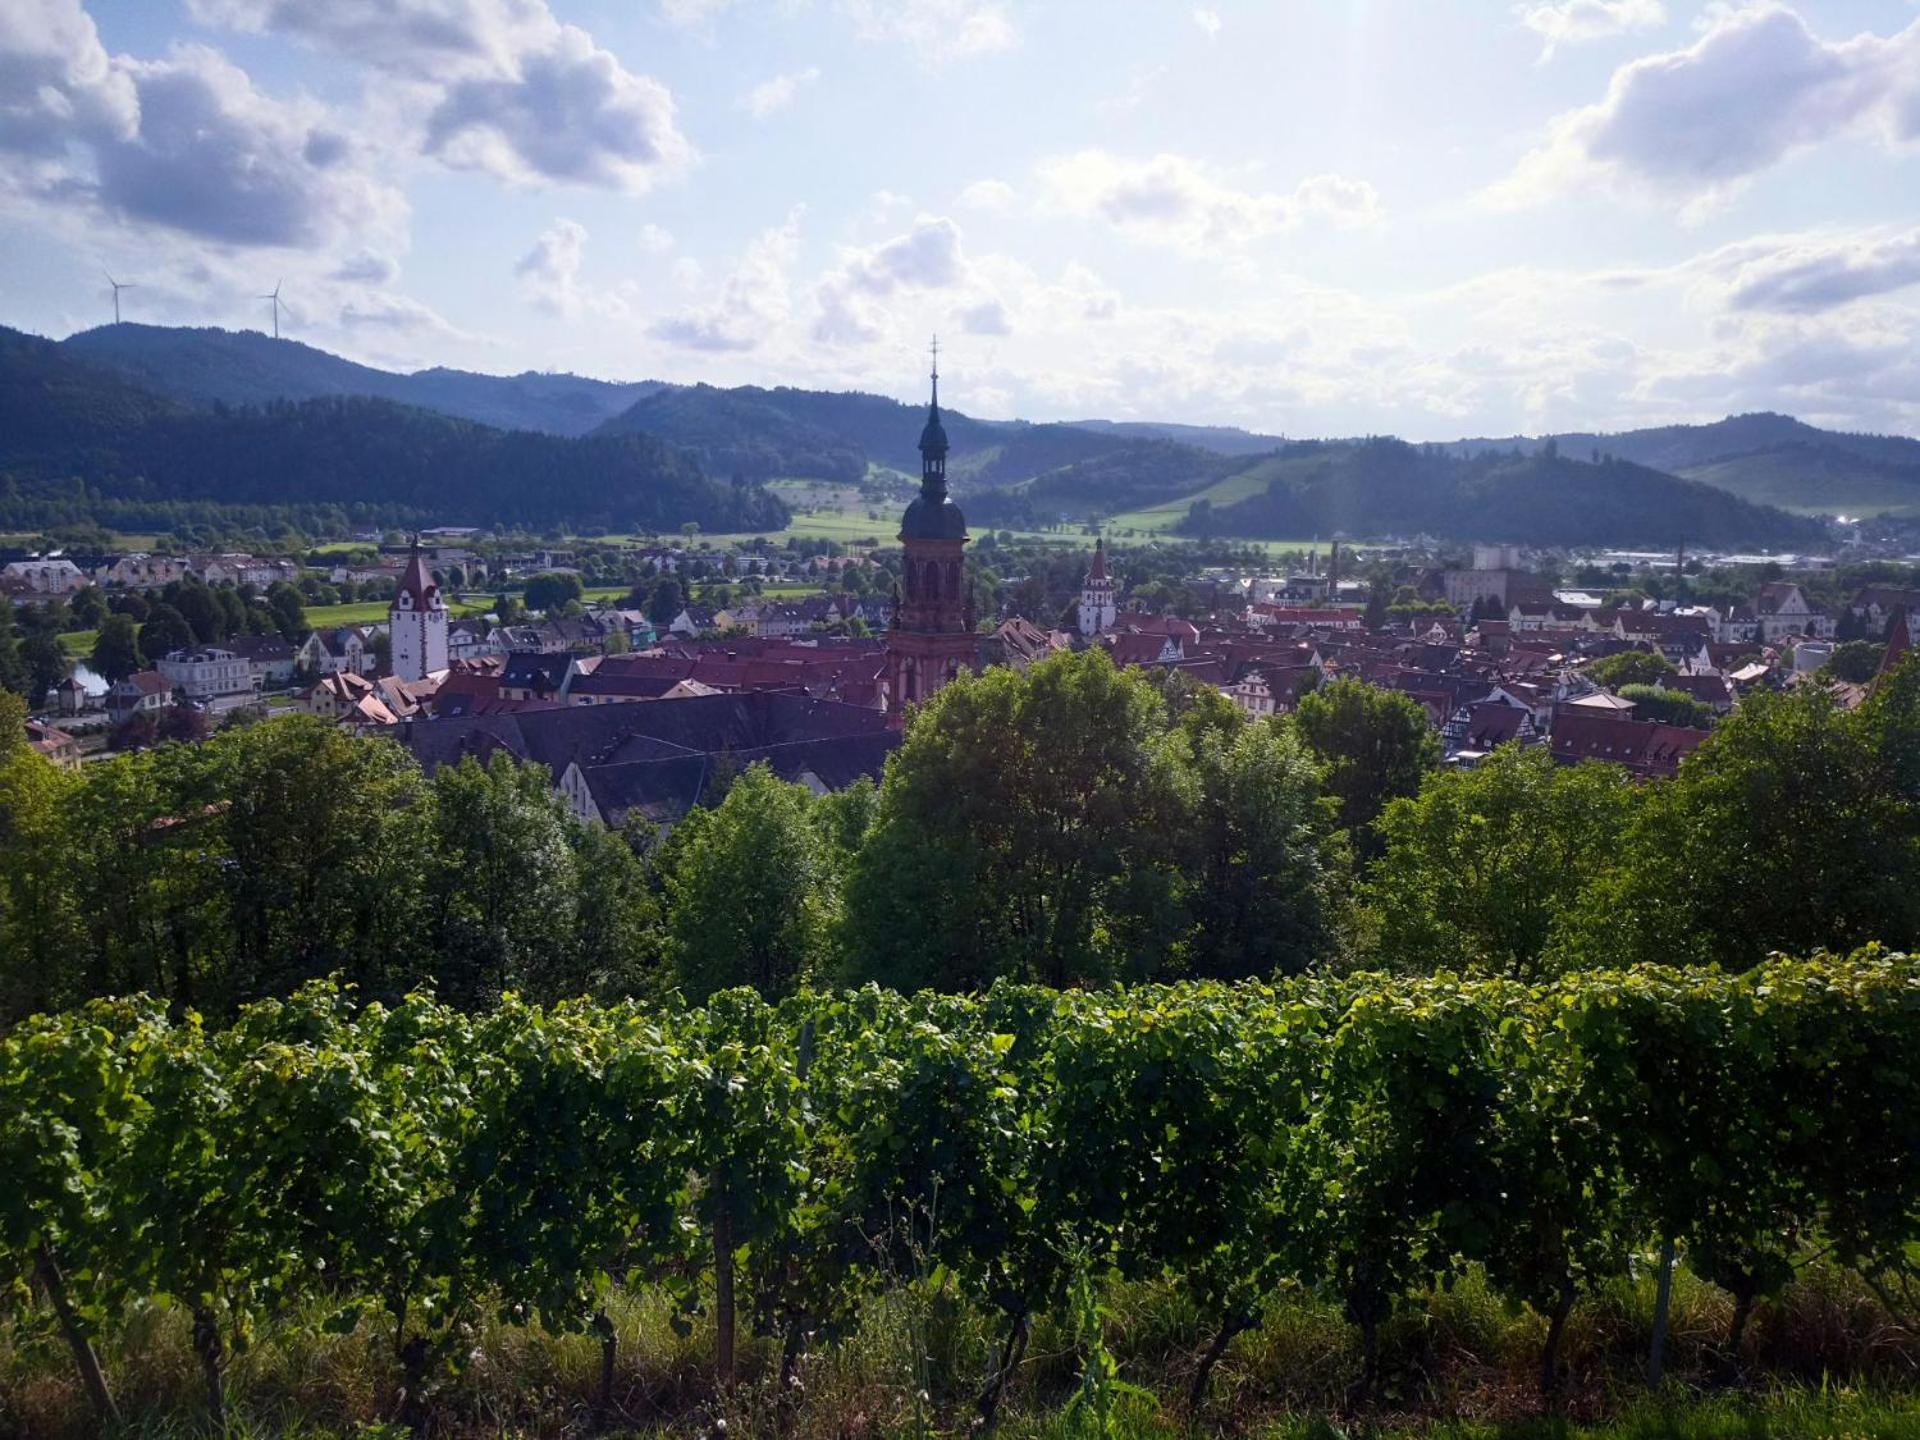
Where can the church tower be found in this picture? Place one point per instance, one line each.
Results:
(417, 621)
(931, 640)
(1097, 610)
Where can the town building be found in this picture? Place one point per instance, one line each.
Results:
(417, 621)
(932, 636)
(210, 675)
(1097, 608)
(142, 691)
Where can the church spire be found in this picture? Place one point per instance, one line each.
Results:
(933, 439)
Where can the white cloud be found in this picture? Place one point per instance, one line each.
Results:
(1813, 273)
(1692, 125)
(770, 96)
(549, 274)
(920, 279)
(937, 29)
(507, 88)
(654, 239)
(57, 81)
(1174, 200)
(185, 143)
(754, 301)
(1207, 20)
(1573, 22)
(986, 195)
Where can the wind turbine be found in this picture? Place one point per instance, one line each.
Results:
(275, 298)
(118, 286)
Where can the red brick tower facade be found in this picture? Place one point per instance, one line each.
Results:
(931, 640)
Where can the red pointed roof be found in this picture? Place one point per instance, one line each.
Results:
(417, 580)
(1098, 570)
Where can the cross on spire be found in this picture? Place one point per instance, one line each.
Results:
(936, 371)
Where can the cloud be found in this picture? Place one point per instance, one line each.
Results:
(987, 195)
(1692, 125)
(937, 29)
(856, 297)
(754, 300)
(185, 142)
(1207, 20)
(507, 88)
(776, 94)
(57, 81)
(1574, 22)
(549, 273)
(1809, 274)
(1173, 200)
(654, 240)
(367, 267)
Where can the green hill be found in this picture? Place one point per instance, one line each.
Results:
(69, 430)
(1774, 459)
(243, 367)
(1387, 487)
(740, 432)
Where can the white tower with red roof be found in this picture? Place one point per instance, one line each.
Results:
(1097, 610)
(417, 621)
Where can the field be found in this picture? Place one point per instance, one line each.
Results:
(374, 612)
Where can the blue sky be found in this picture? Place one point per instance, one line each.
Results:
(1426, 217)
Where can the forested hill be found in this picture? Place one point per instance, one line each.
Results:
(243, 367)
(1775, 459)
(62, 423)
(832, 435)
(1389, 487)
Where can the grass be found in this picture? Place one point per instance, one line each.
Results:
(78, 643)
(1822, 1362)
(370, 612)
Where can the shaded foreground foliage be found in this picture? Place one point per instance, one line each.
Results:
(418, 1172)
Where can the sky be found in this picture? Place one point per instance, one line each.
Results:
(1429, 218)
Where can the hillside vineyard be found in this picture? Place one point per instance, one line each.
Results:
(1372, 1135)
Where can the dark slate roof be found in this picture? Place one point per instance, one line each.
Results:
(602, 734)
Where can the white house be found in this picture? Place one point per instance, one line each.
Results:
(211, 674)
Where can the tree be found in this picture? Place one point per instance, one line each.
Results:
(1479, 868)
(13, 665)
(88, 607)
(47, 663)
(187, 724)
(500, 887)
(1265, 862)
(1857, 661)
(165, 631)
(666, 602)
(40, 929)
(1630, 667)
(325, 821)
(553, 591)
(1027, 827)
(116, 649)
(201, 611)
(289, 612)
(1376, 746)
(749, 890)
(1789, 829)
(1670, 707)
(1377, 598)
